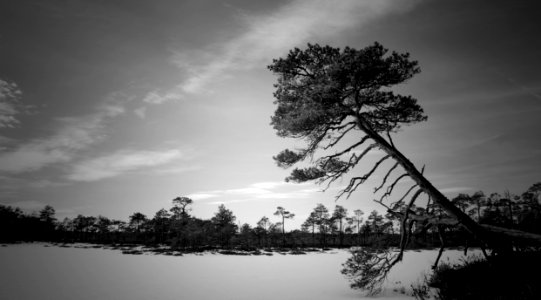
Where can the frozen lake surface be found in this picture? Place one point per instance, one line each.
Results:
(34, 271)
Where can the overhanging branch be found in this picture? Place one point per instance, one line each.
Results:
(356, 181)
(385, 178)
(390, 188)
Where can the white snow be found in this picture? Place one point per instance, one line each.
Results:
(32, 271)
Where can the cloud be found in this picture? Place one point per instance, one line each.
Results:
(176, 169)
(10, 105)
(272, 35)
(155, 97)
(203, 196)
(71, 135)
(141, 112)
(456, 189)
(260, 190)
(74, 134)
(270, 184)
(113, 110)
(120, 163)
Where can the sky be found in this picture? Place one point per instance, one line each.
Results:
(115, 107)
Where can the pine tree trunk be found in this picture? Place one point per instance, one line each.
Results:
(490, 235)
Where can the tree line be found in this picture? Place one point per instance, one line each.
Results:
(178, 229)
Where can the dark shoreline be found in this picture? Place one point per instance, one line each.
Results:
(140, 249)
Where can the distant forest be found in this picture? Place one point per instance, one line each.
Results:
(324, 228)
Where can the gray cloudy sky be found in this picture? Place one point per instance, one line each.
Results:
(113, 107)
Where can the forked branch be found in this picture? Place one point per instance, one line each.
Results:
(385, 178)
(356, 181)
(390, 188)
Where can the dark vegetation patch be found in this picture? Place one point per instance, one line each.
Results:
(514, 276)
(132, 252)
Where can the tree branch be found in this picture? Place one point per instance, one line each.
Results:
(391, 187)
(337, 139)
(352, 186)
(390, 139)
(442, 246)
(407, 192)
(385, 178)
(349, 148)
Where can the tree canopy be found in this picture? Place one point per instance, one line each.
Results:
(324, 93)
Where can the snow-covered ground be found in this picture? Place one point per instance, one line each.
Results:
(34, 271)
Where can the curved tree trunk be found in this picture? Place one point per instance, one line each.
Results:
(490, 235)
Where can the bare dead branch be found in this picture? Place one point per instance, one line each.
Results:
(355, 182)
(370, 147)
(337, 139)
(348, 149)
(390, 188)
(405, 234)
(349, 187)
(390, 139)
(442, 245)
(413, 198)
(407, 192)
(406, 226)
(389, 210)
(353, 161)
(340, 127)
(385, 178)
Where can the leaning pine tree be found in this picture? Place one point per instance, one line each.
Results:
(324, 94)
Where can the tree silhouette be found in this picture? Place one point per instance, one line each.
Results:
(161, 224)
(339, 214)
(261, 229)
(224, 223)
(310, 222)
(321, 218)
(137, 221)
(180, 217)
(47, 214)
(375, 221)
(280, 211)
(357, 219)
(477, 199)
(324, 93)
(103, 225)
(180, 206)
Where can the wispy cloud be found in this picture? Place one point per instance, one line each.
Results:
(120, 163)
(271, 35)
(260, 190)
(456, 189)
(71, 135)
(10, 105)
(203, 195)
(170, 170)
(156, 97)
(141, 112)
